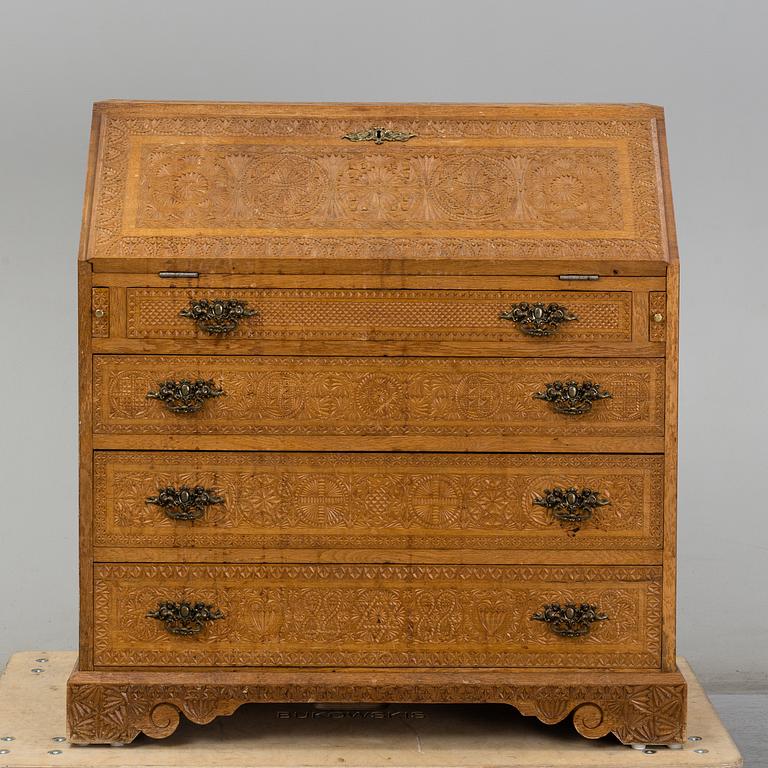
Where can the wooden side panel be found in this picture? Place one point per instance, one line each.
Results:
(388, 501)
(382, 616)
(378, 396)
(671, 408)
(670, 469)
(85, 471)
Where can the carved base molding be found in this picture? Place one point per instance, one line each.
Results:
(637, 707)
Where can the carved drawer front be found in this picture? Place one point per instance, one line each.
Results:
(359, 500)
(359, 315)
(377, 396)
(383, 616)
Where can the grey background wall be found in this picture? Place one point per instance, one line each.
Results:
(704, 61)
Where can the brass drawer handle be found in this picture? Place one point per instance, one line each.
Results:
(185, 396)
(185, 618)
(185, 503)
(571, 398)
(538, 319)
(569, 620)
(571, 505)
(218, 316)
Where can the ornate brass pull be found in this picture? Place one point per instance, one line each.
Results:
(571, 398)
(569, 620)
(185, 503)
(538, 319)
(379, 135)
(218, 316)
(571, 505)
(185, 618)
(185, 396)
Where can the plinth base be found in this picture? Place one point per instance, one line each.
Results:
(639, 708)
(32, 712)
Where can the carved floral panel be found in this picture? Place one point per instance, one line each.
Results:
(347, 615)
(377, 396)
(271, 187)
(376, 500)
(230, 187)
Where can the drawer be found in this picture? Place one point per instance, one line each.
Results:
(380, 616)
(374, 396)
(390, 501)
(371, 315)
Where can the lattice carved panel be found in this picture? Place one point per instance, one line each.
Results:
(100, 312)
(457, 315)
(657, 305)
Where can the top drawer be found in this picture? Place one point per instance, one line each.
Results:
(360, 315)
(409, 320)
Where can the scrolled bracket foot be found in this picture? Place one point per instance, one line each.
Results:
(162, 722)
(590, 721)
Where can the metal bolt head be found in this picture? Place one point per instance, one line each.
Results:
(701, 751)
(36, 670)
(5, 751)
(99, 312)
(41, 661)
(649, 751)
(8, 738)
(59, 739)
(55, 752)
(658, 317)
(694, 738)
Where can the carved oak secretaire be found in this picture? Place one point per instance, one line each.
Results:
(378, 404)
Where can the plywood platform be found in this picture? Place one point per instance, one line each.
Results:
(271, 736)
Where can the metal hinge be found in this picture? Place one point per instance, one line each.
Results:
(178, 274)
(579, 277)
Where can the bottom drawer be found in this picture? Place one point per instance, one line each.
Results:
(376, 616)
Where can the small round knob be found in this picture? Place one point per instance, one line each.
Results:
(658, 317)
(99, 312)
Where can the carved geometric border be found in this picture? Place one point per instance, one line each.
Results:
(109, 708)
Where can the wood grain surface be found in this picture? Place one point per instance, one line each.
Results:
(378, 451)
